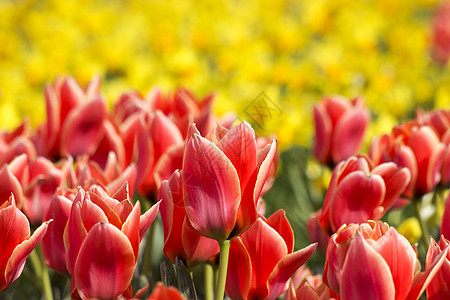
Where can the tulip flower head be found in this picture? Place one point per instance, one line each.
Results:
(374, 260)
(262, 259)
(439, 287)
(340, 126)
(359, 192)
(17, 244)
(180, 240)
(223, 176)
(102, 239)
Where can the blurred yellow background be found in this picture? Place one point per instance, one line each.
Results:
(293, 51)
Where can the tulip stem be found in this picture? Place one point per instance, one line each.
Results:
(209, 282)
(423, 226)
(223, 266)
(147, 259)
(41, 270)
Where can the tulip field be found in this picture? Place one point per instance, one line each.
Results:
(218, 150)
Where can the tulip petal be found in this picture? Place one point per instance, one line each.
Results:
(22, 251)
(280, 223)
(211, 189)
(10, 185)
(423, 279)
(239, 274)
(365, 274)
(15, 229)
(131, 228)
(285, 268)
(105, 263)
(147, 219)
(396, 180)
(74, 233)
(53, 242)
(401, 259)
(323, 128)
(239, 145)
(356, 199)
(266, 248)
(198, 248)
(349, 132)
(83, 128)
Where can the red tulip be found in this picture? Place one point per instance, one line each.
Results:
(359, 192)
(261, 260)
(64, 96)
(340, 125)
(304, 286)
(160, 292)
(16, 241)
(439, 287)
(102, 239)
(373, 261)
(10, 185)
(223, 176)
(416, 147)
(53, 248)
(440, 44)
(179, 239)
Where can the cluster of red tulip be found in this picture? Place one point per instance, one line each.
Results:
(78, 172)
(368, 257)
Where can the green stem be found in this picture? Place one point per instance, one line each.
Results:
(147, 259)
(223, 266)
(423, 226)
(209, 282)
(41, 270)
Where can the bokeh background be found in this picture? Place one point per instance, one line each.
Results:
(293, 51)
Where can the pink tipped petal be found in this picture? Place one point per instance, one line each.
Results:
(285, 268)
(91, 213)
(217, 133)
(147, 219)
(211, 188)
(105, 263)
(439, 287)
(401, 259)
(83, 128)
(128, 176)
(423, 279)
(323, 127)
(349, 133)
(365, 274)
(239, 145)
(100, 207)
(356, 199)
(239, 275)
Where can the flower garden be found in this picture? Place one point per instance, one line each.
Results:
(219, 149)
